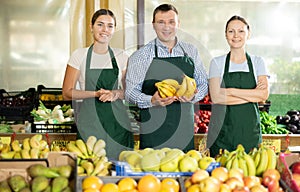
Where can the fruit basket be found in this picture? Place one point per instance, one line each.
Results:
(122, 168)
(16, 106)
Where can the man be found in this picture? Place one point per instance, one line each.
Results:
(165, 122)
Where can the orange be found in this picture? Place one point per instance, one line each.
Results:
(193, 188)
(110, 187)
(149, 183)
(127, 183)
(92, 182)
(170, 184)
(91, 190)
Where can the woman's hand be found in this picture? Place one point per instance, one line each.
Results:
(156, 100)
(109, 95)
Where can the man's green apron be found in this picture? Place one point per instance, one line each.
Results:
(171, 126)
(231, 125)
(105, 120)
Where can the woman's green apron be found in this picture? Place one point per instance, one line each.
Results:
(171, 126)
(105, 120)
(231, 125)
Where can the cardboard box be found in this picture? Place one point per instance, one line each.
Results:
(284, 162)
(10, 167)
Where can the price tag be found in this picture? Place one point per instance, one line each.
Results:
(5, 140)
(274, 144)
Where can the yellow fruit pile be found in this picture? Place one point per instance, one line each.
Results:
(171, 87)
(30, 148)
(91, 156)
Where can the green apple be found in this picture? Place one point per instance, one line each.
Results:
(165, 149)
(168, 164)
(195, 154)
(150, 162)
(188, 164)
(133, 158)
(175, 153)
(205, 162)
(161, 154)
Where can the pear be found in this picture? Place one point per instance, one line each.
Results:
(39, 183)
(4, 186)
(41, 170)
(63, 170)
(59, 184)
(17, 182)
(26, 189)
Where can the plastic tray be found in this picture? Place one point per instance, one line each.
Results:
(17, 105)
(53, 128)
(123, 169)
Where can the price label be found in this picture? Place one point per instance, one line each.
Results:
(274, 144)
(5, 140)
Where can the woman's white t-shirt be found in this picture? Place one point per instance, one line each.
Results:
(98, 61)
(217, 66)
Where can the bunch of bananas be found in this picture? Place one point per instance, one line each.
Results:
(238, 159)
(171, 87)
(264, 158)
(30, 148)
(91, 156)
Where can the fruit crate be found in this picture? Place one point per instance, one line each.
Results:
(53, 128)
(285, 160)
(50, 97)
(121, 168)
(116, 179)
(9, 167)
(17, 105)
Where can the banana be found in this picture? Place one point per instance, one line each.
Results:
(80, 170)
(104, 172)
(99, 145)
(98, 167)
(6, 148)
(235, 163)
(90, 142)
(250, 164)
(243, 165)
(82, 147)
(15, 145)
(17, 155)
(182, 88)
(163, 92)
(230, 160)
(88, 167)
(165, 89)
(72, 148)
(263, 163)
(26, 144)
(171, 82)
(252, 152)
(7, 155)
(25, 154)
(272, 159)
(256, 158)
(34, 153)
(191, 87)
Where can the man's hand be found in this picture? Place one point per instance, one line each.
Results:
(156, 100)
(108, 95)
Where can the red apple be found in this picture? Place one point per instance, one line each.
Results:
(296, 167)
(210, 184)
(241, 189)
(273, 173)
(251, 181)
(234, 182)
(199, 175)
(296, 178)
(220, 173)
(270, 183)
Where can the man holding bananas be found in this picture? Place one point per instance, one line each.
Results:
(167, 120)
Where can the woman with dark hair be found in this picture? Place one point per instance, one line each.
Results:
(237, 82)
(100, 71)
